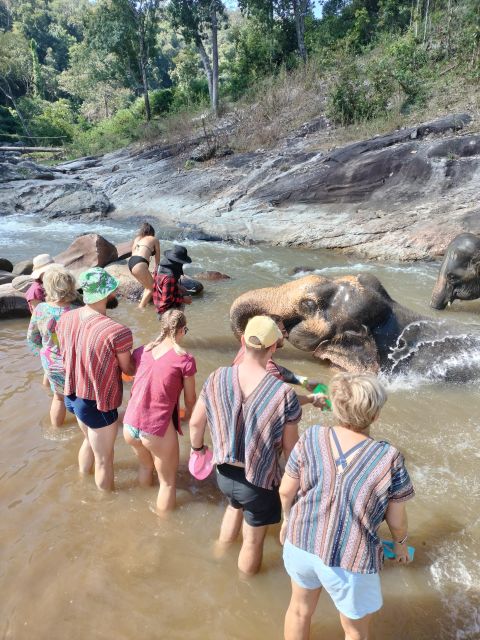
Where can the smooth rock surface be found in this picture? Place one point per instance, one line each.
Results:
(211, 276)
(25, 267)
(6, 265)
(22, 283)
(90, 250)
(12, 303)
(6, 277)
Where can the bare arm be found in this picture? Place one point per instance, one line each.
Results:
(288, 490)
(157, 254)
(198, 422)
(126, 363)
(34, 303)
(396, 518)
(189, 395)
(290, 438)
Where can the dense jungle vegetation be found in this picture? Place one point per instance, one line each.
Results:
(95, 75)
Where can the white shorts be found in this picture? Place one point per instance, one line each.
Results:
(354, 594)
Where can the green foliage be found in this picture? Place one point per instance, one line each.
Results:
(51, 121)
(359, 94)
(161, 101)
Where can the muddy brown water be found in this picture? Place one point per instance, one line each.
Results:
(77, 564)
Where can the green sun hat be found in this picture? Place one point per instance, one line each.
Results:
(96, 284)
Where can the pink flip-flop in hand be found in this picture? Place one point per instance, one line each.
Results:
(200, 463)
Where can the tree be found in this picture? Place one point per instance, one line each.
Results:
(15, 70)
(196, 19)
(127, 29)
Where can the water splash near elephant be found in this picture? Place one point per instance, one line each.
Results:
(431, 351)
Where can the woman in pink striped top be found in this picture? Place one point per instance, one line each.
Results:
(342, 484)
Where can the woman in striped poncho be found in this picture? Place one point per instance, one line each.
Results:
(339, 485)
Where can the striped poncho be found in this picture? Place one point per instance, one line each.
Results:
(337, 513)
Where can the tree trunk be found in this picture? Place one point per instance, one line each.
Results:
(8, 94)
(214, 97)
(299, 11)
(143, 69)
(206, 65)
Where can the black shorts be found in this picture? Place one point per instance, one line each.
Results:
(260, 506)
(134, 260)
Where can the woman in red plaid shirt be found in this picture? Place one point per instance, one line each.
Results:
(167, 292)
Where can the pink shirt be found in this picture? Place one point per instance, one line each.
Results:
(156, 390)
(34, 292)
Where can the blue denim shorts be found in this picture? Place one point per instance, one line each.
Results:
(354, 594)
(88, 413)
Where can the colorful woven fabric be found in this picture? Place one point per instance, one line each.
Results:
(42, 339)
(249, 431)
(337, 514)
(89, 343)
(166, 294)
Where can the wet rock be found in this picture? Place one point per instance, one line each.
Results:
(12, 303)
(192, 286)
(6, 265)
(211, 276)
(6, 277)
(22, 283)
(124, 250)
(90, 250)
(129, 287)
(296, 270)
(24, 267)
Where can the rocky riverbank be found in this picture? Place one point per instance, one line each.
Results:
(401, 196)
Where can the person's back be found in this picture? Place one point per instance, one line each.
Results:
(91, 342)
(339, 485)
(252, 418)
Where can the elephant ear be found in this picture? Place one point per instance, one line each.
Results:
(351, 351)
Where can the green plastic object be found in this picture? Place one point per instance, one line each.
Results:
(322, 388)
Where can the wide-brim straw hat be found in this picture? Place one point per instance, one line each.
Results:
(41, 263)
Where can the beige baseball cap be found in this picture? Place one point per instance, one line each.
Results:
(261, 332)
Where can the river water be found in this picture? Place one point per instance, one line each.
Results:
(78, 564)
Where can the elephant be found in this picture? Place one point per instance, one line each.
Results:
(459, 276)
(350, 321)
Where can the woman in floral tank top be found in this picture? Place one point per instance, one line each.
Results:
(42, 338)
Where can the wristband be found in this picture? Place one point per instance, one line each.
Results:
(302, 380)
(198, 448)
(403, 540)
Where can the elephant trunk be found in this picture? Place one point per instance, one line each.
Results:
(442, 293)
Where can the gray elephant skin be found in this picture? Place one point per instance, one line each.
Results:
(349, 321)
(459, 276)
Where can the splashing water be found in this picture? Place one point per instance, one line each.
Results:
(433, 351)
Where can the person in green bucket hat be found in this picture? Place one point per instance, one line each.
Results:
(96, 351)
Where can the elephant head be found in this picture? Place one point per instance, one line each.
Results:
(459, 276)
(350, 321)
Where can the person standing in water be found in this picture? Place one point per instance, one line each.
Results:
(152, 419)
(339, 485)
(35, 294)
(167, 292)
(60, 292)
(253, 419)
(144, 247)
(96, 350)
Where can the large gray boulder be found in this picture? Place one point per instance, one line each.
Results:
(12, 303)
(6, 277)
(23, 268)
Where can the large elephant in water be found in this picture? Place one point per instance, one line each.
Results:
(350, 321)
(459, 276)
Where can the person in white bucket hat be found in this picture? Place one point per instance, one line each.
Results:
(36, 293)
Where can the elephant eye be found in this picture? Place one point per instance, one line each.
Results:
(308, 306)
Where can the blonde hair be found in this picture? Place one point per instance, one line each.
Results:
(59, 285)
(171, 321)
(356, 399)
